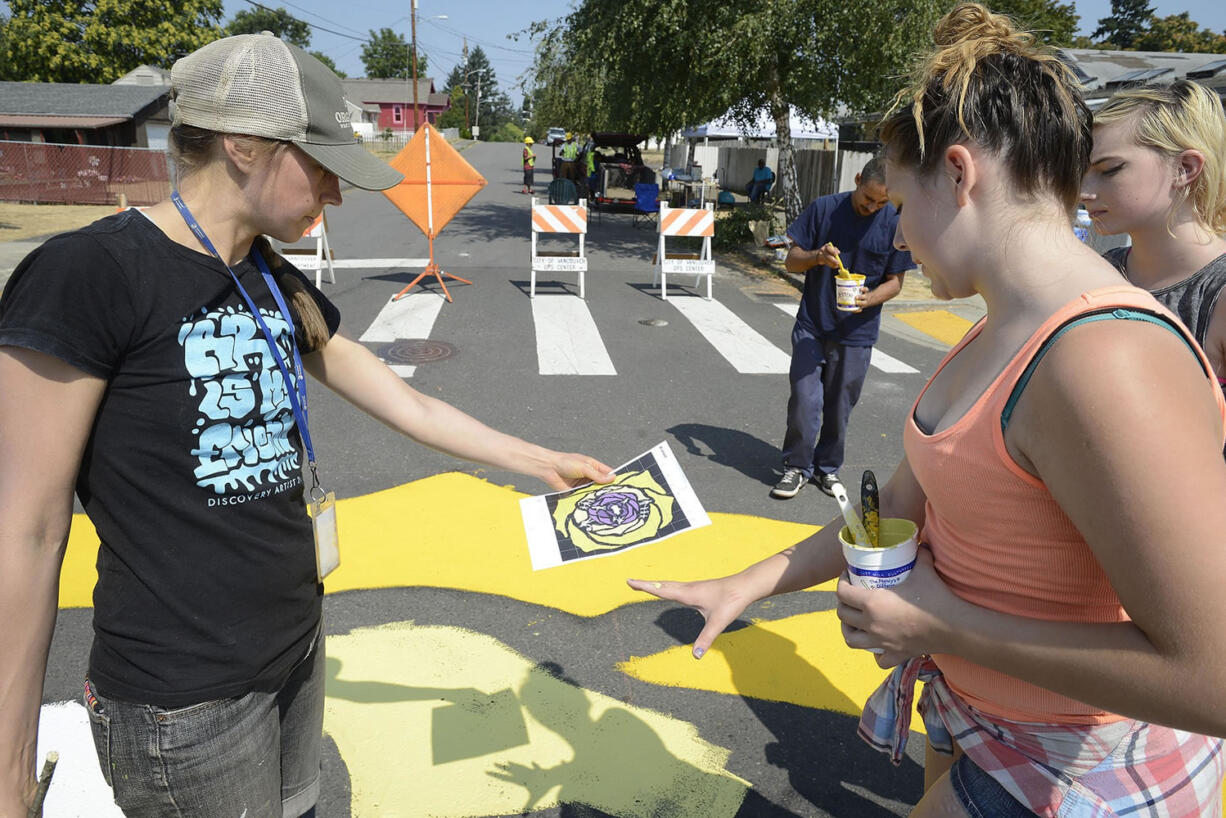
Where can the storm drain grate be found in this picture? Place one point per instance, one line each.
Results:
(416, 351)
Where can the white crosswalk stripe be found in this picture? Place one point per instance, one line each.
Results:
(410, 317)
(881, 360)
(381, 262)
(567, 340)
(739, 343)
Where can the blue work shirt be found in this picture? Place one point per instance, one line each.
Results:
(866, 245)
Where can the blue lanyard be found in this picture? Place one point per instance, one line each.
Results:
(297, 393)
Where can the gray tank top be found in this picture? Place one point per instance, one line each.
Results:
(1192, 299)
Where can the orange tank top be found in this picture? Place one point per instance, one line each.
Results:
(998, 537)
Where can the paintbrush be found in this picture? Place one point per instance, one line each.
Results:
(870, 503)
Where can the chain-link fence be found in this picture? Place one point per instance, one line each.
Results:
(82, 174)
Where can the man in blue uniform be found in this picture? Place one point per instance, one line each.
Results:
(763, 178)
(830, 347)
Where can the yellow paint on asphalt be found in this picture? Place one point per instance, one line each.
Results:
(943, 325)
(458, 531)
(481, 730)
(800, 660)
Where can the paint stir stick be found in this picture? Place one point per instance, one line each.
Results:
(849, 514)
(44, 781)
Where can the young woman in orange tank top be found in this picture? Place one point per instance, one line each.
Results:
(1066, 613)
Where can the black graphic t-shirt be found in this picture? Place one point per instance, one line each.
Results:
(192, 472)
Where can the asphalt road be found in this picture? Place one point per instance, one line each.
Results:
(463, 683)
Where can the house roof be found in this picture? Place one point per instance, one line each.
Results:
(393, 90)
(78, 99)
(145, 75)
(1104, 72)
(44, 121)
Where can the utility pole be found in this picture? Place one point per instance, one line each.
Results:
(413, 26)
(467, 127)
(477, 117)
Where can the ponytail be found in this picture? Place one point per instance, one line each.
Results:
(307, 317)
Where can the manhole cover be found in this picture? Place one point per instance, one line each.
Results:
(654, 322)
(416, 351)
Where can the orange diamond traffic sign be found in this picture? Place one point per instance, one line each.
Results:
(432, 191)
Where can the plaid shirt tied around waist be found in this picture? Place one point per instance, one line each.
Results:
(1057, 770)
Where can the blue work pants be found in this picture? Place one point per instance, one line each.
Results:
(826, 379)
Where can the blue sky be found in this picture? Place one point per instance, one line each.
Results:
(485, 22)
(488, 22)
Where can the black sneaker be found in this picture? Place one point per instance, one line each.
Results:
(826, 482)
(790, 484)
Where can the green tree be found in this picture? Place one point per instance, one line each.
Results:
(1128, 20)
(1050, 21)
(278, 21)
(1178, 32)
(453, 117)
(326, 60)
(655, 66)
(98, 41)
(386, 55)
(507, 132)
(487, 106)
(6, 65)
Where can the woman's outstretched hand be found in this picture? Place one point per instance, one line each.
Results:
(899, 623)
(568, 470)
(718, 600)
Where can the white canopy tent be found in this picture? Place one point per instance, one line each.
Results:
(763, 127)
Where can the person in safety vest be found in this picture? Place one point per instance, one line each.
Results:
(569, 167)
(529, 165)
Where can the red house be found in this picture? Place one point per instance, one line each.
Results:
(394, 100)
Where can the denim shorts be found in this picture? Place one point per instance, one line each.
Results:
(982, 795)
(255, 756)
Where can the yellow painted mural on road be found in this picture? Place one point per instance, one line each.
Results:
(458, 531)
(942, 325)
(506, 736)
(800, 660)
(480, 729)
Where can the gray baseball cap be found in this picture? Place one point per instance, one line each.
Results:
(257, 84)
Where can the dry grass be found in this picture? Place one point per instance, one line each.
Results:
(29, 221)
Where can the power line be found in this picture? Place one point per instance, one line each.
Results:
(452, 31)
(312, 25)
(320, 16)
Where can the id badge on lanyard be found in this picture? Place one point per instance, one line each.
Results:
(327, 541)
(321, 505)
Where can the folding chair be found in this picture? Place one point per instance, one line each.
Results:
(553, 218)
(563, 192)
(646, 203)
(316, 258)
(685, 222)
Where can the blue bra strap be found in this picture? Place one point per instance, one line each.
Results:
(1102, 315)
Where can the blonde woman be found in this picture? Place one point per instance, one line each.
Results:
(1063, 467)
(1158, 173)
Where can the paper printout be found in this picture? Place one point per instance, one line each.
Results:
(649, 500)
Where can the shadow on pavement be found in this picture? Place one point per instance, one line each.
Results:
(608, 233)
(849, 765)
(751, 456)
(616, 758)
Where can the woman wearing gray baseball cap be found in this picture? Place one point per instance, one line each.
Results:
(153, 362)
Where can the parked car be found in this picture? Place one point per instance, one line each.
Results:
(555, 136)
